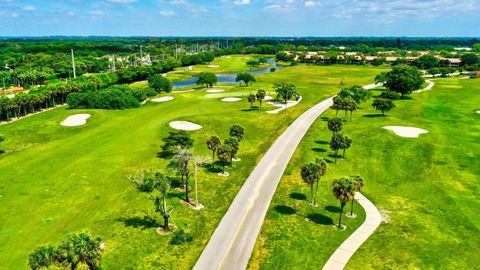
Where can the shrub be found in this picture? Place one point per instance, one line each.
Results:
(390, 95)
(115, 97)
(180, 237)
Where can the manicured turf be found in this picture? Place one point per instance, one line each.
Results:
(56, 180)
(426, 188)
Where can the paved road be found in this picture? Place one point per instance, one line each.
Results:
(344, 252)
(232, 242)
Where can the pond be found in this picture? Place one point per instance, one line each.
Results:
(227, 78)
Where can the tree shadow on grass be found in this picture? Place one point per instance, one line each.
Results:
(329, 161)
(320, 219)
(285, 210)
(406, 98)
(145, 222)
(333, 155)
(324, 118)
(298, 196)
(321, 142)
(216, 168)
(375, 115)
(318, 150)
(254, 108)
(332, 209)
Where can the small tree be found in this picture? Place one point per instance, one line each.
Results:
(335, 124)
(381, 78)
(233, 143)
(251, 99)
(346, 143)
(206, 78)
(358, 185)
(311, 174)
(390, 95)
(285, 91)
(224, 154)
(404, 80)
(260, 96)
(180, 164)
(343, 190)
(43, 257)
(336, 143)
(213, 143)
(160, 83)
(245, 77)
(383, 105)
(156, 185)
(237, 131)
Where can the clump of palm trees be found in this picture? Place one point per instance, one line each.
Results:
(227, 150)
(344, 189)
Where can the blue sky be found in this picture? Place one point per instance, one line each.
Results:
(240, 17)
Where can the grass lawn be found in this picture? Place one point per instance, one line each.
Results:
(426, 188)
(56, 180)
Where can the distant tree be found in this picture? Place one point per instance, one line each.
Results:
(233, 143)
(285, 91)
(253, 63)
(343, 189)
(338, 104)
(180, 164)
(351, 106)
(356, 92)
(237, 132)
(224, 154)
(335, 124)
(476, 47)
(251, 99)
(176, 139)
(206, 78)
(245, 77)
(469, 59)
(358, 185)
(156, 185)
(427, 61)
(260, 96)
(346, 143)
(404, 80)
(383, 105)
(160, 83)
(213, 143)
(336, 143)
(390, 95)
(81, 248)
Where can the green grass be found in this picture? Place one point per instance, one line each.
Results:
(425, 187)
(56, 180)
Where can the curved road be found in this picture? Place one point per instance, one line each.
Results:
(232, 242)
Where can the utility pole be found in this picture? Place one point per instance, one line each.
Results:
(73, 66)
(114, 68)
(176, 50)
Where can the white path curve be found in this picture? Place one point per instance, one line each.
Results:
(231, 245)
(232, 242)
(344, 252)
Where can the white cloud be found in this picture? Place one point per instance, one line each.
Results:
(310, 3)
(29, 8)
(242, 2)
(167, 13)
(122, 1)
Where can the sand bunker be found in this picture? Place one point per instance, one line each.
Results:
(282, 105)
(184, 125)
(231, 99)
(75, 120)
(268, 98)
(163, 99)
(478, 111)
(408, 132)
(215, 90)
(213, 66)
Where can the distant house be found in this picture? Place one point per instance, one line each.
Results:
(7, 68)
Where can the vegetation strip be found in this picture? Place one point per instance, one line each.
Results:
(344, 252)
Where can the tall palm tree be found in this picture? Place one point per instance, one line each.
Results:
(251, 99)
(335, 124)
(323, 170)
(344, 190)
(358, 185)
(310, 174)
(212, 144)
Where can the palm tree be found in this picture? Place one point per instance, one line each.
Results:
(335, 124)
(251, 99)
(336, 143)
(237, 131)
(224, 154)
(260, 96)
(358, 185)
(234, 146)
(310, 174)
(80, 248)
(346, 143)
(180, 164)
(213, 143)
(323, 170)
(163, 186)
(43, 257)
(344, 190)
